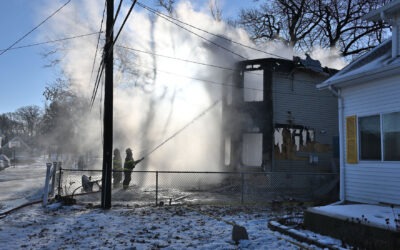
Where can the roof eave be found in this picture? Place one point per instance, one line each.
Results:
(363, 77)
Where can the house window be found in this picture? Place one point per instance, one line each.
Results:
(379, 137)
(370, 137)
(253, 86)
(391, 136)
(252, 149)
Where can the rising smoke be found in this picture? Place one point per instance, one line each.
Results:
(155, 96)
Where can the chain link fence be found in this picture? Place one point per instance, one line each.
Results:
(184, 187)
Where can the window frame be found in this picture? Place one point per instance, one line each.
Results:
(383, 137)
(359, 147)
(382, 146)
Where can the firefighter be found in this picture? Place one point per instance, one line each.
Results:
(129, 165)
(117, 167)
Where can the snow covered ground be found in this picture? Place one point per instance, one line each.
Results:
(168, 227)
(385, 217)
(21, 184)
(133, 226)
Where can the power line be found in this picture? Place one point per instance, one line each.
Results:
(123, 23)
(117, 13)
(216, 35)
(175, 58)
(194, 62)
(51, 41)
(224, 84)
(98, 41)
(37, 26)
(97, 83)
(182, 27)
(105, 53)
(101, 113)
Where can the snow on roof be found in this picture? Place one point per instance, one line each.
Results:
(374, 215)
(371, 65)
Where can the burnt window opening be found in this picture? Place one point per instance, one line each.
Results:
(253, 86)
(252, 149)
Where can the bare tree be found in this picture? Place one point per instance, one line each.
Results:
(304, 24)
(215, 10)
(9, 127)
(168, 5)
(343, 28)
(287, 20)
(30, 117)
(64, 116)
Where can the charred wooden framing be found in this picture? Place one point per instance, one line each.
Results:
(273, 109)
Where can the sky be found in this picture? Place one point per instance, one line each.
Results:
(24, 73)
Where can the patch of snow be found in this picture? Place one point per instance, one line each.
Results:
(169, 227)
(374, 215)
(142, 227)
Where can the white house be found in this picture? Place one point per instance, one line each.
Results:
(368, 92)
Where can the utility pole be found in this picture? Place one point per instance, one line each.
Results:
(108, 108)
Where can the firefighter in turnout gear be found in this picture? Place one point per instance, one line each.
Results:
(129, 165)
(117, 167)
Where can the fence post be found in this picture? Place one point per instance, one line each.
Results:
(156, 188)
(46, 185)
(53, 180)
(242, 184)
(59, 181)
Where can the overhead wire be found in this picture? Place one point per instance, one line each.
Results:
(123, 23)
(101, 66)
(98, 41)
(216, 66)
(175, 58)
(37, 26)
(224, 84)
(195, 62)
(51, 41)
(117, 13)
(101, 112)
(205, 31)
(97, 83)
(190, 31)
(105, 53)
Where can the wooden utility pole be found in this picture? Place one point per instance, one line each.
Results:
(108, 109)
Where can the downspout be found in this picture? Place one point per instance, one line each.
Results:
(337, 93)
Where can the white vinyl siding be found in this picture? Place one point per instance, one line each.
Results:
(372, 181)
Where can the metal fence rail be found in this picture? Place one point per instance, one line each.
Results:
(167, 187)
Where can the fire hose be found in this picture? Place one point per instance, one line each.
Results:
(182, 129)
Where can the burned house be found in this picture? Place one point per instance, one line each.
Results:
(276, 120)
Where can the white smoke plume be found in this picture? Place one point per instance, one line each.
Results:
(328, 58)
(155, 96)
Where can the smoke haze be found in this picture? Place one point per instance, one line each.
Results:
(154, 96)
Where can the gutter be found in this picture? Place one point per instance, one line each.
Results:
(337, 93)
(363, 76)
